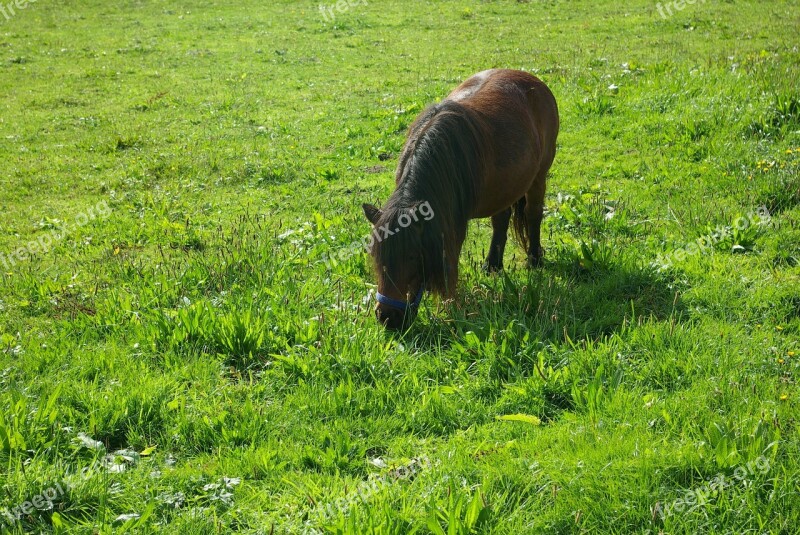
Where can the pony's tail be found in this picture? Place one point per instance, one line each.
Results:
(521, 230)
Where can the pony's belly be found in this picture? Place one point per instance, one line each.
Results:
(501, 191)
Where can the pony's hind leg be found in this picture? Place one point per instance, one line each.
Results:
(500, 221)
(534, 212)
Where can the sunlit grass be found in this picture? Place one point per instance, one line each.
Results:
(190, 361)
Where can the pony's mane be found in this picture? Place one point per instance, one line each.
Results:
(442, 164)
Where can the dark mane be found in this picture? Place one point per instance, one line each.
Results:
(442, 164)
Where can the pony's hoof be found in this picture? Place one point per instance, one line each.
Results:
(536, 260)
(492, 268)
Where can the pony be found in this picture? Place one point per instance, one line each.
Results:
(483, 151)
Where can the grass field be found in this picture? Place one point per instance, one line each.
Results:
(177, 356)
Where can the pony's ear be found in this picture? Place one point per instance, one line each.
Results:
(372, 212)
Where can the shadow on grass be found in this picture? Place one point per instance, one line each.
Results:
(558, 302)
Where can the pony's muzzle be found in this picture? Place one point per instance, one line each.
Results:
(396, 314)
(394, 318)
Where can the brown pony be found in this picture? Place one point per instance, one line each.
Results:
(484, 151)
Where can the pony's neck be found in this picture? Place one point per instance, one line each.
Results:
(446, 212)
(442, 163)
(442, 166)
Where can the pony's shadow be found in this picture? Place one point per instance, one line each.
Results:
(558, 301)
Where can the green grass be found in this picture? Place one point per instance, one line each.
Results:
(236, 383)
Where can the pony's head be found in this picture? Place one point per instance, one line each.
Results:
(401, 255)
(415, 250)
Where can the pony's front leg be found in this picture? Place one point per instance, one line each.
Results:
(452, 280)
(451, 267)
(494, 260)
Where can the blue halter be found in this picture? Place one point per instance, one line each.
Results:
(402, 305)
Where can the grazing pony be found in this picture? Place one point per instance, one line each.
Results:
(484, 151)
